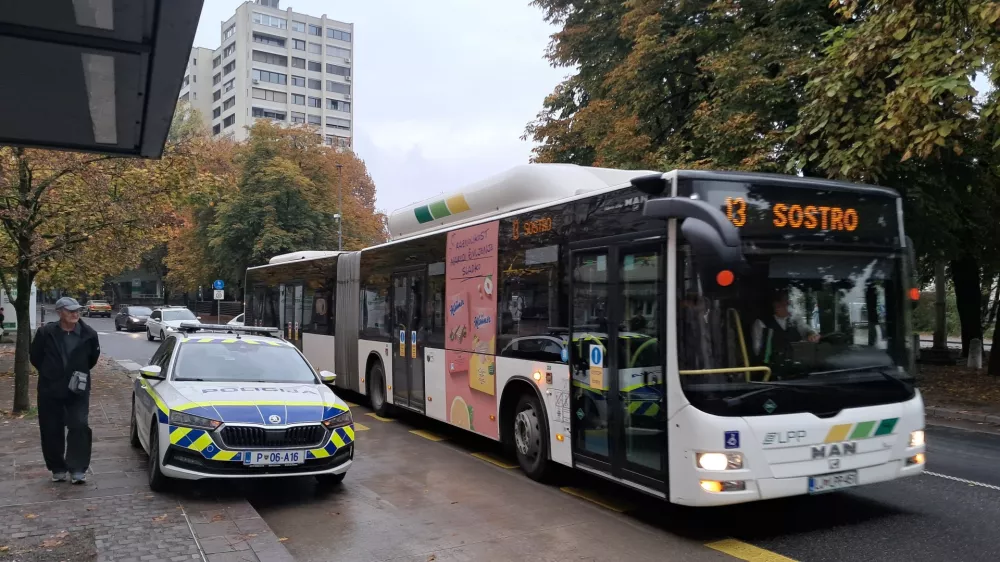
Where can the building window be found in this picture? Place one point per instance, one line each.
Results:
(216, 79)
(269, 3)
(316, 48)
(344, 142)
(229, 103)
(269, 95)
(194, 95)
(338, 34)
(229, 68)
(216, 95)
(337, 87)
(337, 123)
(187, 80)
(298, 117)
(338, 105)
(298, 63)
(298, 45)
(270, 21)
(315, 84)
(315, 30)
(270, 58)
(332, 51)
(185, 97)
(315, 66)
(228, 121)
(315, 120)
(216, 129)
(315, 102)
(217, 61)
(268, 40)
(229, 32)
(216, 113)
(298, 99)
(272, 77)
(268, 113)
(299, 26)
(299, 81)
(229, 51)
(228, 86)
(338, 70)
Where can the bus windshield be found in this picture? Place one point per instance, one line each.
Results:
(799, 333)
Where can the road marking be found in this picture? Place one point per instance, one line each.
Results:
(104, 333)
(962, 480)
(745, 551)
(360, 427)
(130, 365)
(492, 459)
(597, 499)
(379, 418)
(427, 435)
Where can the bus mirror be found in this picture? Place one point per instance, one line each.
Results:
(713, 256)
(683, 208)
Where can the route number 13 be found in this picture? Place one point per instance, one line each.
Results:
(736, 210)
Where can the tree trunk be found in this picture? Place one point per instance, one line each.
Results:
(22, 365)
(968, 295)
(994, 367)
(940, 306)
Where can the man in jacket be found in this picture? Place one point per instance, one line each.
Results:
(59, 350)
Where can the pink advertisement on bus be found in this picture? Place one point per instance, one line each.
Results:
(470, 328)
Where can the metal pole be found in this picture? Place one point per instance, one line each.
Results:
(340, 207)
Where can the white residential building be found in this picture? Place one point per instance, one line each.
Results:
(276, 64)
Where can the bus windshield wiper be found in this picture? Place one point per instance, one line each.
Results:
(768, 387)
(883, 370)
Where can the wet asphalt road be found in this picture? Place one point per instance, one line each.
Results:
(403, 483)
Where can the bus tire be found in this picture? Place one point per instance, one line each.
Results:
(376, 389)
(531, 443)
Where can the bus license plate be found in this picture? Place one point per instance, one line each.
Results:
(831, 482)
(270, 458)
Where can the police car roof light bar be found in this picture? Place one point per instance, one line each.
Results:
(226, 328)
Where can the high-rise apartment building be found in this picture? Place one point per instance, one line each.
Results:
(275, 64)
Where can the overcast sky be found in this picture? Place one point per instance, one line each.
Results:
(443, 88)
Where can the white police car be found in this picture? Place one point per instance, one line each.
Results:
(231, 402)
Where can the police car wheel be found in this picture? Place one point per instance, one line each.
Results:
(133, 428)
(157, 481)
(530, 441)
(376, 390)
(330, 479)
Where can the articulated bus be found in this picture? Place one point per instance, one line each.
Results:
(705, 337)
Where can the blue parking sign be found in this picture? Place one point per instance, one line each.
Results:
(732, 439)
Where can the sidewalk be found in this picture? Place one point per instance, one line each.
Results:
(955, 392)
(114, 516)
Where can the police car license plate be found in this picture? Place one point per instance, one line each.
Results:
(268, 458)
(831, 482)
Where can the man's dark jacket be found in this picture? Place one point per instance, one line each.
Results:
(47, 357)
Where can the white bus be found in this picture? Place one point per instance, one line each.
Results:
(690, 334)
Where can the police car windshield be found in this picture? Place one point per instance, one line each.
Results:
(241, 361)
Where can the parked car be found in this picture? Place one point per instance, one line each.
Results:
(97, 308)
(238, 321)
(168, 318)
(132, 318)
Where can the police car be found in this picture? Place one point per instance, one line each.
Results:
(234, 402)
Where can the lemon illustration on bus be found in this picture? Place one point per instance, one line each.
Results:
(461, 413)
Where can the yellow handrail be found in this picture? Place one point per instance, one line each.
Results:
(743, 344)
(729, 370)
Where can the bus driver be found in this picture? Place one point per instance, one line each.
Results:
(773, 336)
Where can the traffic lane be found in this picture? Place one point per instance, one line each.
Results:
(410, 498)
(122, 346)
(971, 455)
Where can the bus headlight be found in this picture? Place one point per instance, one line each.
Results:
(917, 438)
(720, 461)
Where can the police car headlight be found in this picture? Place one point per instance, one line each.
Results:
(196, 422)
(340, 420)
(720, 461)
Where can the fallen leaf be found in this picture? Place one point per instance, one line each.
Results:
(283, 539)
(218, 517)
(431, 558)
(31, 516)
(160, 518)
(4, 548)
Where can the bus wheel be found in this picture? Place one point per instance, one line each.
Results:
(376, 389)
(530, 441)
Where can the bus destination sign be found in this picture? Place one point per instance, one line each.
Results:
(767, 211)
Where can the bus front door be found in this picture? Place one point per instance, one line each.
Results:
(408, 349)
(617, 360)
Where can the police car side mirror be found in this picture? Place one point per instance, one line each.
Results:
(152, 372)
(327, 377)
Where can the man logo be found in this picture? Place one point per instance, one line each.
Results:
(274, 419)
(834, 450)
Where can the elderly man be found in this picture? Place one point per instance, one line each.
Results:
(64, 352)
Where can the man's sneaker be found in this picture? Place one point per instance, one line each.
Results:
(78, 478)
(58, 476)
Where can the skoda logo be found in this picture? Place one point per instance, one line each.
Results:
(274, 419)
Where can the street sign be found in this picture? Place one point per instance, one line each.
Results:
(220, 295)
(218, 285)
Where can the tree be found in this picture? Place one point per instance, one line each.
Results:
(69, 219)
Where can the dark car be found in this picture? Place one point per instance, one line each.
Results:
(132, 318)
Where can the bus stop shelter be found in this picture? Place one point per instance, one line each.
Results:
(93, 75)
